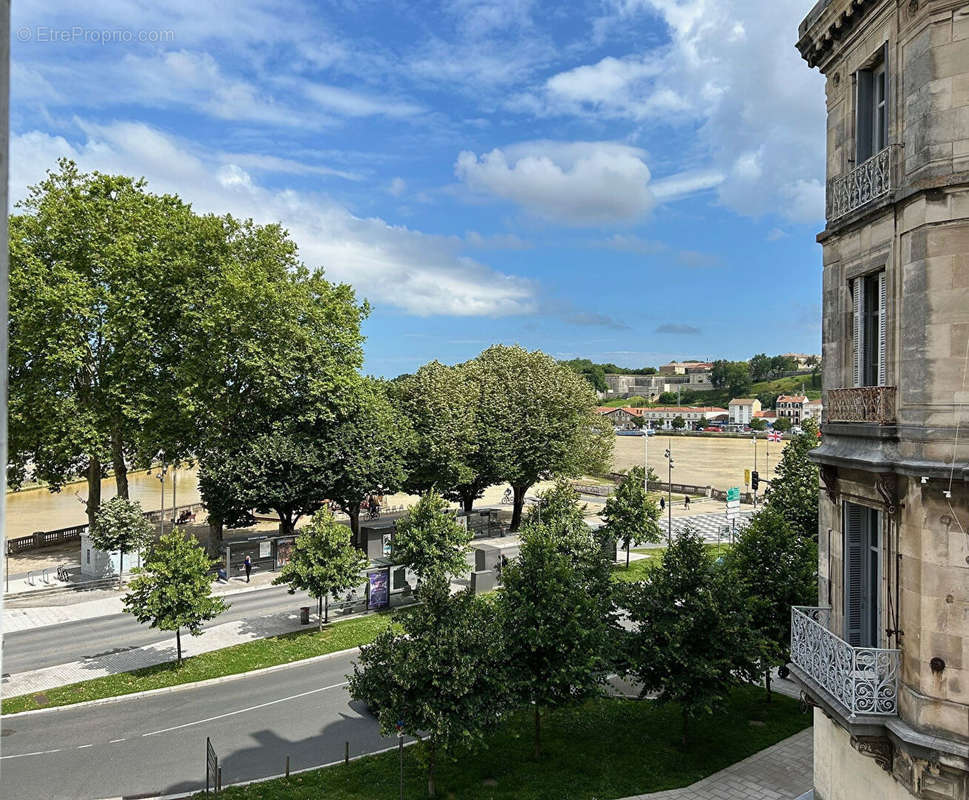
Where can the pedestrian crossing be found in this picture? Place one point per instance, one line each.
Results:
(709, 526)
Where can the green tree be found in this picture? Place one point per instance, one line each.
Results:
(173, 590)
(781, 364)
(691, 641)
(758, 424)
(537, 419)
(99, 274)
(440, 674)
(678, 423)
(366, 448)
(430, 541)
(718, 374)
(703, 423)
(760, 367)
(737, 379)
(269, 348)
(324, 561)
(630, 514)
(441, 403)
(776, 568)
(556, 638)
(667, 399)
(120, 525)
(782, 424)
(794, 489)
(279, 472)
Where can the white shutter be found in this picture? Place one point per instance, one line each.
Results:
(858, 340)
(882, 329)
(854, 563)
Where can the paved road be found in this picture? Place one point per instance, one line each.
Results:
(73, 641)
(156, 745)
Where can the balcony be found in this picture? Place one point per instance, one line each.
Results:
(869, 181)
(862, 680)
(871, 404)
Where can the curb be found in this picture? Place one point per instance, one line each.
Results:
(180, 687)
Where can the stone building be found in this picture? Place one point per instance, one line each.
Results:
(884, 658)
(791, 406)
(743, 410)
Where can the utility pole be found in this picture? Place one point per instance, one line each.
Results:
(754, 437)
(669, 496)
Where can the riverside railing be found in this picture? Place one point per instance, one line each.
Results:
(862, 679)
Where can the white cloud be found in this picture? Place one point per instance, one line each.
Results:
(730, 67)
(354, 104)
(578, 183)
(496, 241)
(397, 186)
(420, 273)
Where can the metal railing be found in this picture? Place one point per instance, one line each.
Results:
(862, 679)
(868, 181)
(861, 404)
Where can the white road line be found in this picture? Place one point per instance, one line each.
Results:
(82, 746)
(25, 755)
(244, 710)
(115, 741)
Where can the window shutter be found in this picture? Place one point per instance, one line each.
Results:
(864, 112)
(854, 558)
(858, 340)
(882, 329)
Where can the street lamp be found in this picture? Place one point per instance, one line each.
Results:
(161, 478)
(669, 497)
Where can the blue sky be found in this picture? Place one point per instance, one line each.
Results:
(623, 180)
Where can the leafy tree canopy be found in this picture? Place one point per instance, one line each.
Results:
(430, 541)
(630, 514)
(794, 489)
(120, 525)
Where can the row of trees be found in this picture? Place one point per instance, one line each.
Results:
(451, 669)
(142, 331)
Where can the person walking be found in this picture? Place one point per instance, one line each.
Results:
(686, 502)
(662, 504)
(248, 566)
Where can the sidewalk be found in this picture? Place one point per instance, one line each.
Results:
(19, 619)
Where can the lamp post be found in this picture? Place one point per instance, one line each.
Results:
(669, 496)
(538, 502)
(161, 517)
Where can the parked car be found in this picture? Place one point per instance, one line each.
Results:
(712, 429)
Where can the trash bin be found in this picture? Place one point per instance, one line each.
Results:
(304, 615)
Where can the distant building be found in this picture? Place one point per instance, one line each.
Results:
(791, 407)
(769, 415)
(803, 360)
(621, 417)
(663, 416)
(743, 410)
(652, 386)
(685, 367)
(812, 410)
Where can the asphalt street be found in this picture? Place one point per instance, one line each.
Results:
(148, 746)
(72, 641)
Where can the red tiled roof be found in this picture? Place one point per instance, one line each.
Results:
(691, 409)
(792, 398)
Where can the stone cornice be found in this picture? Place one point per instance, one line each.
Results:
(821, 29)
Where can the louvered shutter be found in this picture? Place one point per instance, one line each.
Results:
(882, 329)
(864, 106)
(854, 561)
(858, 323)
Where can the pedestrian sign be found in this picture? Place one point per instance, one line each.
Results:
(733, 493)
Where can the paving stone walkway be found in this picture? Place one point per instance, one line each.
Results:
(707, 525)
(781, 772)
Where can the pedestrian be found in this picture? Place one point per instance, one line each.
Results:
(686, 501)
(662, 504)
(248, 566)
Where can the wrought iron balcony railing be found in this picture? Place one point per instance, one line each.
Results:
(861, 404)
(868, 181)
(862, 679)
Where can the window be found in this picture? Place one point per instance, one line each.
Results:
(862, 565)
(869, 300)
(871, 110)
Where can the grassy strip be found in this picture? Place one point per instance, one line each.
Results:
(256, 654)
(602, 749)
(640, 568)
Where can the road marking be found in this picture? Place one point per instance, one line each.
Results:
(25, 755)
(82, 746)
(244, 710)
(115, 741)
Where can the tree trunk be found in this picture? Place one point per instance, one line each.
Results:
(118, 463)
(516, 514)
(467, 501)
(767, 683)
(215, 537)
(120, 566)
(326, 608)
(93, 491)
(431, 789)
(178, 644)
(354, 513)
(319, 612)
(538, 732)
(628, 544)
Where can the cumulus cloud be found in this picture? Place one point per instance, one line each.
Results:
(419, 273)
(577, 183)
(730, 69)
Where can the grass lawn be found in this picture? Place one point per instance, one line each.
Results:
(640, 568)
(228, 661)
(603, 749)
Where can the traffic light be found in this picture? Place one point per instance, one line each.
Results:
(754, 481)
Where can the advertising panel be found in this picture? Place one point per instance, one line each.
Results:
(379, 585)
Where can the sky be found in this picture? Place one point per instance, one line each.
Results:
(623, 180)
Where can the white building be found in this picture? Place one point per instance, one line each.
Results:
(743, 410)
(663, 416)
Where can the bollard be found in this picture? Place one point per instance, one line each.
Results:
(346, 754)
(218, 780)
(287, 766)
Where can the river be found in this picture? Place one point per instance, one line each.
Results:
(42, 510)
